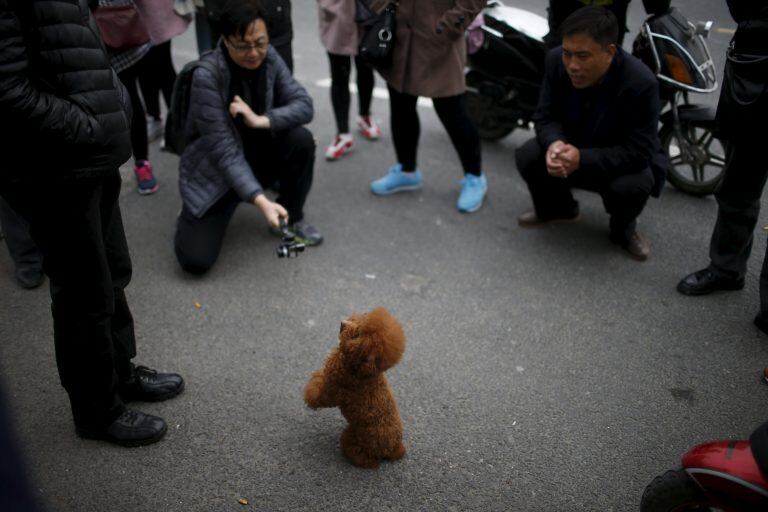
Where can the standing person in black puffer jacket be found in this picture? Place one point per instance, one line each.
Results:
(741, 116)
(63, 136)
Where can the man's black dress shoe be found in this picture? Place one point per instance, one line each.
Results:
(147, 385)
(131, 428)
(29, 277)
(705, 281)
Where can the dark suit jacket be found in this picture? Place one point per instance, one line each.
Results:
(617, 134)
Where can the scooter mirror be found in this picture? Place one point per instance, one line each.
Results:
(703, 28)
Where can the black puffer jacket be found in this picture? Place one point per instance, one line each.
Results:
(62, 107)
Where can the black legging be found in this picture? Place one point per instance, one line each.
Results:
(157, 74)
(341, 68)
(452, 113)
(138, 120)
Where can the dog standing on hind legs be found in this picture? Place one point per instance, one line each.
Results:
(353, 380)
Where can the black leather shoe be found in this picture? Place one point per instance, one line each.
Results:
(146, 385)
(29, 277)
(705, 281)
(131, 428)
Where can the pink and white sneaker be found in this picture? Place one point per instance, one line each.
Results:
(341, 145)
(368, 127)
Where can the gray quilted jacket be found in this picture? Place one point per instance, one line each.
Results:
(213, 161)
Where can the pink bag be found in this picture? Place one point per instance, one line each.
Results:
(121, 26)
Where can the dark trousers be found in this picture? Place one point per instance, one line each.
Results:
(129, 78)
(77, 225)
(406, 129)
(624, 196)
(289, 159)
(341, 68)
(156, 76)
(738, 200)
(22, 248)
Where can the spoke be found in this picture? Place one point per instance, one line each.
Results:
(715, 160)
(677, 160)
(706, 139)
(698, 173)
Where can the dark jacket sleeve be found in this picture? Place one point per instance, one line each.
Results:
(219, 135)
(640, 141)
(292, 104)
(549, 126)
(25, 105)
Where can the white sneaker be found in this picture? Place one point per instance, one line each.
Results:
(369, 128)
(341, 145)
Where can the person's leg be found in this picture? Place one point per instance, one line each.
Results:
(198, 241)
(143, 169)
(120, 271)
(552, 197)
(286, 52)
(26, 257)
(340, 70)
(291, 161)
(148, 78)
(738, 199)
(166, 73)
(138, 121)
(405, 128)
(206, 36)
(65, 223)
(365, 83)
(624, 199)
(461, 130)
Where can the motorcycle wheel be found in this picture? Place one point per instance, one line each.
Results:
(696, 157)
(480, 110)
(674, 491)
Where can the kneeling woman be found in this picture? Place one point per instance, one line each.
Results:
(245, 135)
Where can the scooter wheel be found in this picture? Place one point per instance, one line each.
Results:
(696, 158)
(483, 112)
(674, 491)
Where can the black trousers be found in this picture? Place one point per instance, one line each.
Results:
(404, 120)
(738, 199)
(129, 78)
(21, 247)
(157, 75)
(341, 69)
(77, 225)
(289, 160)
(624, 197)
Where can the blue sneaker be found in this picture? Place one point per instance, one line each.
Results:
(473, 189)
(396, 181)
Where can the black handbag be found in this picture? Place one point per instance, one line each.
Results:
(378, 41)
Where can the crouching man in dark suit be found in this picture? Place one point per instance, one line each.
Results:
(596, 129)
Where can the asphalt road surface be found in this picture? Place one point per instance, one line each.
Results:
(545, 370)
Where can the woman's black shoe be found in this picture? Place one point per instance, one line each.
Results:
(147, 385)
(705, 281)
(131, 428)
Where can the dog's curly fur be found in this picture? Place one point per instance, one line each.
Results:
(353, 380)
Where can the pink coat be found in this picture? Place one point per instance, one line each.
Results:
(338, 30)
(162, 22)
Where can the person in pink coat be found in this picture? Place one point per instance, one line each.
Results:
(339, 35)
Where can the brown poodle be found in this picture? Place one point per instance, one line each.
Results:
(353, 380)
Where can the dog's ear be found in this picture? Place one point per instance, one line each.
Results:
(386, 333)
